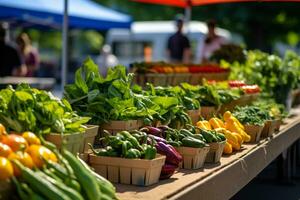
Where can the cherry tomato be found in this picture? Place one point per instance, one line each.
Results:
(6, 169)
(5, 150)
(16, 142)
(31, 138)
(39, 154)
(23, 158)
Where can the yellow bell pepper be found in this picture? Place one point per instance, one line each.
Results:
(216, 123)
(204, 124)
(227, 116)
(228, 135)
(239, 137)
(227, 148)
(232, 126)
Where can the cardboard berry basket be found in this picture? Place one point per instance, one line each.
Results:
(194, 115)
(71, 142)
(180, 78)
(139, 79)
(215, 152)
(278, 123)
(116, 126)
(89, 137)
(139, 172)
(269, 128)
(254, 131)
(193, 158)
(6, 190)
(209, 111)
(157, 79)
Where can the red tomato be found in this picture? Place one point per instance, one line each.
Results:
(5, 150)
(16, 142)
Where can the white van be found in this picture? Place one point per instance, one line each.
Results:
(150, 37)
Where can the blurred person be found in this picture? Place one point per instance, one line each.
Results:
(212, 41)
(11, 63)
(29, 54)
(179, 49)
(106, 59)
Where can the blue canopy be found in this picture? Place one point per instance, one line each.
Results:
(82, 14)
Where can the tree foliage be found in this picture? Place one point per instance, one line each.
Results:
(260, 23)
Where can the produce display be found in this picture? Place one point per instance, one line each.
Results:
(162, 67)
(231, 128)
(166, 140)
(39, 171)
(276, 76)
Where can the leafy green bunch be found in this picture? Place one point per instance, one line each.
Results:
(28, 109)
(274, 75)
(253, 115)
(211, 95)
(106, 98)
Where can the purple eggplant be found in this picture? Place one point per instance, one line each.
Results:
(158, 139)
(167, 171)
(163, 127)
(152, 130)
(172, 156)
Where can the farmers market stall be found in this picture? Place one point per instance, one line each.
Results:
(108, 136)
(229, 176)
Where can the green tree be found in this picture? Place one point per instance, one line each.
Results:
(261, 24)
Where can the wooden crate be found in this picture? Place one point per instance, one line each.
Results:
(194, 115)
(208, 111)
(269, 128)
(193, 158)
(128, 171)
(71, 142)
(6, 190)
(157, 79)
(254, 131)
(179, 78)
(215, 152)
(89, 137)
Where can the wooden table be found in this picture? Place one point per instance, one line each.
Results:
(220, 181)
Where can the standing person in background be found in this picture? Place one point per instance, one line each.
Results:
(29, 54)
(106, 59)
(10, 59)
(212, 41)
(179, 49)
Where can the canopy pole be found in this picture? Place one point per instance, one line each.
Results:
(64, 63)
(188, 14)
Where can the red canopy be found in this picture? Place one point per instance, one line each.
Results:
(187, 3)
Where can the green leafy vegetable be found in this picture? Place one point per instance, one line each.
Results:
(28, 109)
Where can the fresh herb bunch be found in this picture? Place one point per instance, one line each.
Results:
(276, 111)
(274, 75)
(253, 115)
(106, 98)
(28, 109)
(211, 95)
(188, 100)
